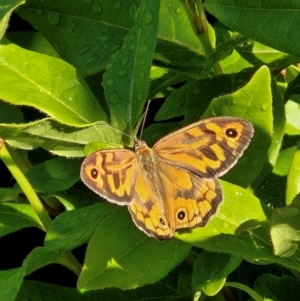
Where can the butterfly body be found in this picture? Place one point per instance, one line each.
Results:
(174, 184)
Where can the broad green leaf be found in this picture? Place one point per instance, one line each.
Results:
(273, 189)
(10, 114)
(73, 228)
(32, 40)
(278, 288)
(37, 291)
(239, 208)
(222, 51)
(285, 229)
(234, 63)
(211, 270)
(6, 8)
(256, 54)
(14, 217)
(11, 280)
(126, 78)
(120, 255)
(293, 178)
(239, 229)
(160, 81)
(54, 175)
(182, 100)
(279, 123)
(8, 194)
(292, 109)
(58, 139)
(47, 84)
(72, 30)
(199, 93)
(253, 103)
(263, 21)
(75, 198)
(293, 78)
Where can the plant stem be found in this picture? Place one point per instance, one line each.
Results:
(25, 186)
(67, 258)
(195, 13)
(246, 289)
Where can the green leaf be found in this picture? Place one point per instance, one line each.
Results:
(16, 216)
(71, 29)
(256, 54)
(285, 230)
(200, 93)
(293, 179)
(292, 109)
(54, 175)
(160, 81)
(110, 21)
(74, 228)
(120, 255)
(58, 139)
(272, 20)
(273, 189)
(10, 114)
(8, 194)
(293, 87)
(11, 280)
(253, 103)
(76, 198)
(211, 270)
(6, 8)
(47, 84)
(32, 40)
(238, 209)
(279, 123)
(221, 52)
(41, 291)
(126, 78)
(238, 229)
(278, 288)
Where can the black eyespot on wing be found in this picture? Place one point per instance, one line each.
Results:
(94, 173)
(232, 133)
(162, 222)
(181, 215)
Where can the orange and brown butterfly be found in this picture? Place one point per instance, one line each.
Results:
(174, 184)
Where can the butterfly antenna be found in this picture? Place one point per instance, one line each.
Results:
(144, 119)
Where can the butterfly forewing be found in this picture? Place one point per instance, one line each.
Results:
(111, 174)
(208, 148)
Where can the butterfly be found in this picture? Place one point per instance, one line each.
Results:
(174, 184)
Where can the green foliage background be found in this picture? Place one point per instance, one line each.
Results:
(83, 77)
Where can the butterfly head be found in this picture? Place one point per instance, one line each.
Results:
(139, 144)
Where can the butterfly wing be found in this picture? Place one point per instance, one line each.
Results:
(208, 148)
(111, 174)
(190, 200)
(175, 199)
(147, 209)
